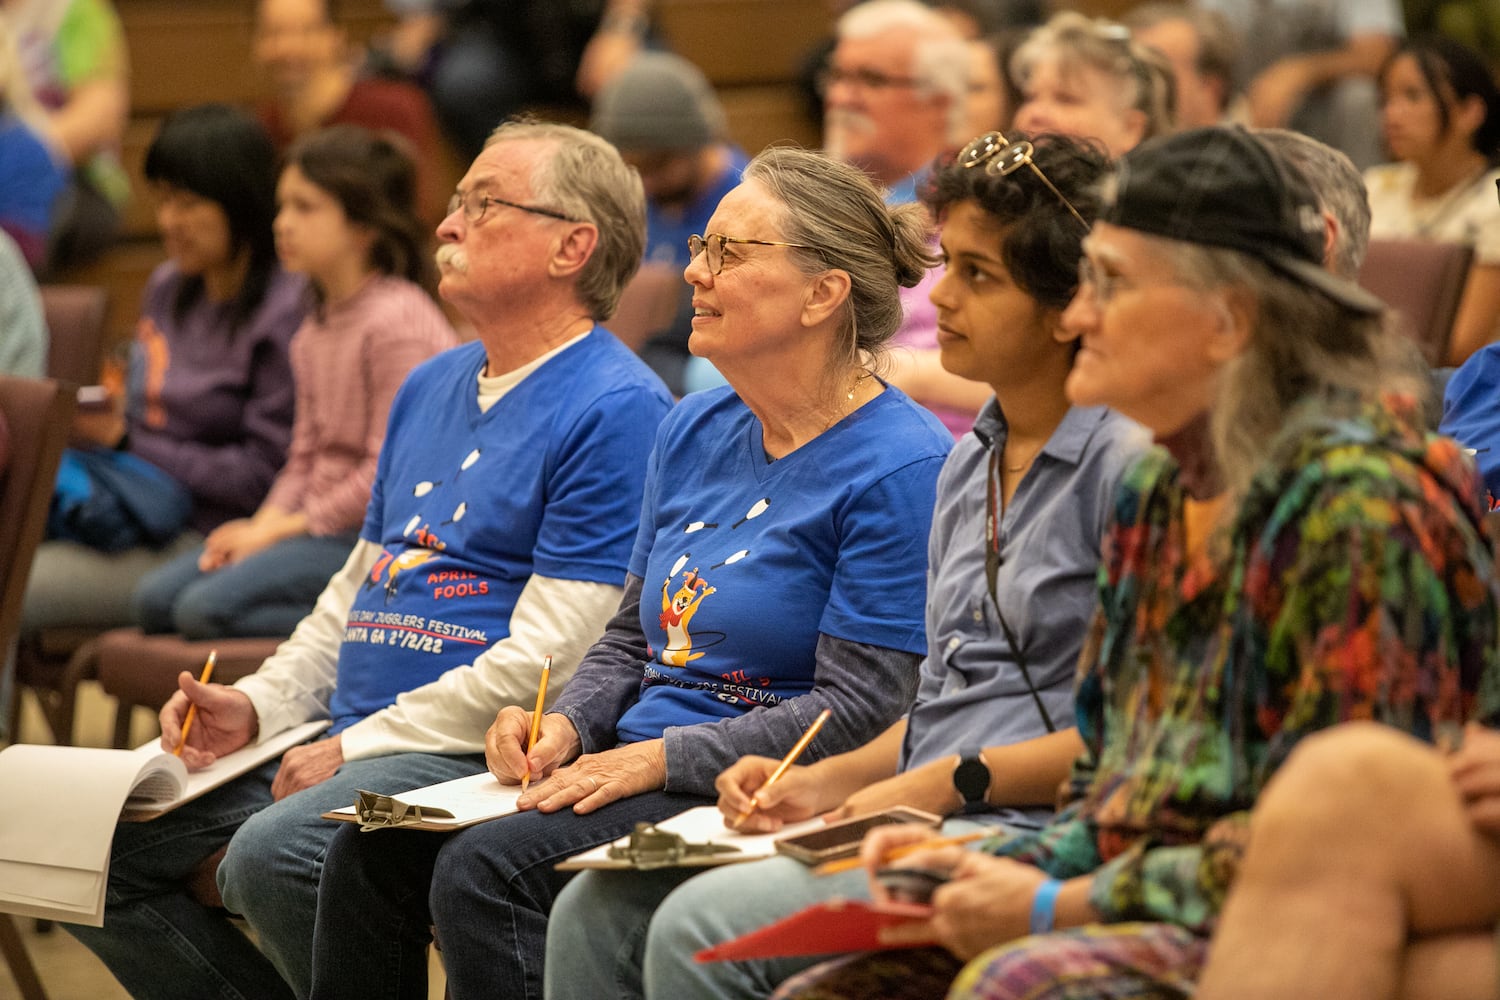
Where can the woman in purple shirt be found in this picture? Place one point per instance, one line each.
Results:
(209, 399)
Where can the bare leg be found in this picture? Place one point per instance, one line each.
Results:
(1359, 844)
(1451, 967)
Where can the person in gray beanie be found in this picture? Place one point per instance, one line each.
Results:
(663, 116)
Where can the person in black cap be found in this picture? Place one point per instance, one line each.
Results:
(1298, 552)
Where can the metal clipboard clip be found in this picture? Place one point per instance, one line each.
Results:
(650, 848)
(380, 812)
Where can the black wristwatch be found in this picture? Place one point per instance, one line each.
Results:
(972, 779)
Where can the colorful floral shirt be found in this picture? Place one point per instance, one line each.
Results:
(1355, 582)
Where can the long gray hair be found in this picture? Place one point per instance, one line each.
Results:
(1303, 345)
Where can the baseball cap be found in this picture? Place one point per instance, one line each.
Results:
(1219, 186)
(661, 101)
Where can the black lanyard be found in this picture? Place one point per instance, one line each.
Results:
(992, 560)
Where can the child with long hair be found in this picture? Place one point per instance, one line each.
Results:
(346, 219)
(1440, 114)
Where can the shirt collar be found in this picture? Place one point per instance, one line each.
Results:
(1068, 440)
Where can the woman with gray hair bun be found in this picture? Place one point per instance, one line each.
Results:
(779, 571)
(1085, 77)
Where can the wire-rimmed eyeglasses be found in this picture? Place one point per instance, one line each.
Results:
(1001, 157)
(713, 243)
(861, 78)
(475, 205)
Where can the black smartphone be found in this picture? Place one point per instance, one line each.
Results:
(841, 839)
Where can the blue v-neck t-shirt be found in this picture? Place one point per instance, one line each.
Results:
(747, 560)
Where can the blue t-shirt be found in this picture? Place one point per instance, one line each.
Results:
(1471, 412)
(667, 233)
(467, 505)
(746, 561)
(30, 181)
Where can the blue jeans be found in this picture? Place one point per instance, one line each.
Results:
(160, 943)
(599, 943)
(612, 932)
(487, 890)
(266, 594)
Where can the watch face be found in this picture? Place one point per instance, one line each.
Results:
(972, 779)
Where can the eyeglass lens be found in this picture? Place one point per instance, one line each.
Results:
(712, 247)
(862, 78)
(1091, 276)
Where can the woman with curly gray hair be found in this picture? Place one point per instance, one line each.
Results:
(1086, 78)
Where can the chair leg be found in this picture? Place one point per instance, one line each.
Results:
(19, 962)
(123, 712)
(82, 666)
(13, 724)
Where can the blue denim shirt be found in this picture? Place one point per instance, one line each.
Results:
(972, 693)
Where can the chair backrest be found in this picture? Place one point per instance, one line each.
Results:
(1423, 280)
(75, 321)
(37, 414)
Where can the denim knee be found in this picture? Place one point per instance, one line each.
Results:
(199, 613)
(250, 873)
(154, 602)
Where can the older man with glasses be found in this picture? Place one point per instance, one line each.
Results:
(895, 91)
(498, 533)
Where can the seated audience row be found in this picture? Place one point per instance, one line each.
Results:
(1230, 623)
(1227, 625)
(785, 517)
(209, 396)
(1280, 393)
(346, 220)
(1022, 506)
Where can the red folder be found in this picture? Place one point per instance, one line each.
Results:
(833, 927)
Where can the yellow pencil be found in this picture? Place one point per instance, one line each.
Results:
(786, 762)
(192, 712)
(536, 719)
(849, 864)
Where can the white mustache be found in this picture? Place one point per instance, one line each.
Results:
(450, 257)
(841, 123)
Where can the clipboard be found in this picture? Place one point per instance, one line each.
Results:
(832, 927)
(441, 808)
(708, 841)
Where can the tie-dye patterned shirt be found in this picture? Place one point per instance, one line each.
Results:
(1355, 582)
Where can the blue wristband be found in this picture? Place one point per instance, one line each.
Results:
(1044, 906)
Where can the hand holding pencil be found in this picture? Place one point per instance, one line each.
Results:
(192, 712)
(536, 720)
(786, 762)
(201, 722)
(528, 744)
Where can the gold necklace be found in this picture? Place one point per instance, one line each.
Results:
(864, 373)
(1029, 459)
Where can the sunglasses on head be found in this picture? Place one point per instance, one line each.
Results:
(1001, 157)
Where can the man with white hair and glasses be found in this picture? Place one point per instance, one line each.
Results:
(894, 98)
(499, 526)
